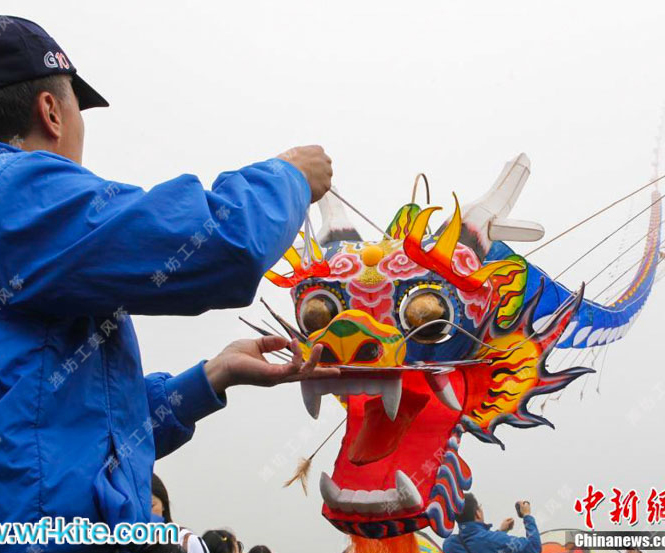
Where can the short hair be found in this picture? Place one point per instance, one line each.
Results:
(17, 102)
(468, 513)
(259, 549)
(220, 541)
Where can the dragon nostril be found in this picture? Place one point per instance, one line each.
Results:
(369, 351)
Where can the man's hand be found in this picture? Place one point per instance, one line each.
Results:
(242, 362)
(525, 508)
(315, 165)
(507, 525)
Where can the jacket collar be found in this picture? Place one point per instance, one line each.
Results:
(473, 527)
(7, 148)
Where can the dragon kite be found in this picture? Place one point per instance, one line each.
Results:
(437, 334)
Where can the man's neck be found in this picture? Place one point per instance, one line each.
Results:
(32, 143)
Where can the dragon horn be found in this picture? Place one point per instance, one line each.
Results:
(318, 267)
(485, 220)
(440, 257)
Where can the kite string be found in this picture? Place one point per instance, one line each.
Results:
(541, 246)
(622, 275)
(309, 236)
(655, 170)
(359, 213)
(332, 433)
(552, 282)
(596, 214)
(304, 465)
(607, 237)
(602, 367)
(624, 252)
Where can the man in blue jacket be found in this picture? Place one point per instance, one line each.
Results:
(477, 537)
(80, 426)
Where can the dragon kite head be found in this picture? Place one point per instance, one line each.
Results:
(436, 334)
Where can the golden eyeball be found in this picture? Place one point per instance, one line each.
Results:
(317, 313)
(423, 309)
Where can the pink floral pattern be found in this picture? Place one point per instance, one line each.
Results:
(344, 266)
(375, 299)
(465, 262)
(398, 265)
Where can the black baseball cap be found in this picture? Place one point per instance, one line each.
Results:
(28, 52)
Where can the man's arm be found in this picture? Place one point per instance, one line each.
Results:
(532, 535)
(513, 544)
(86, 246)
(177, 403)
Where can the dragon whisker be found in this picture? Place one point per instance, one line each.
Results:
(454, 325)
(561, 309)
(275, 330)
(280, 354)
(258, 329)
(290, 330)
(438, 368)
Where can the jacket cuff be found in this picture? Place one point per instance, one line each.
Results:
(298, 175)
(196, 398)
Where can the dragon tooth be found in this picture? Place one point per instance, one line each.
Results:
(449, 398)
(376, 501)
(345, 500)
(391, 394)
(372, 387)
(444, 391)
(311, 398)
(409, 496)
(352, 387)
(390, 499)
(329, 491)
(361, 501)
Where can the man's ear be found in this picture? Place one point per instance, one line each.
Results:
(49, 115)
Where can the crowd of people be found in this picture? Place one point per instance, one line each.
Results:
(474, 534)
(212, 541)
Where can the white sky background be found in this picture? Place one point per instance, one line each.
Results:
(389, 89)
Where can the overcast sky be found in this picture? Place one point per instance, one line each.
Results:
(390, 89)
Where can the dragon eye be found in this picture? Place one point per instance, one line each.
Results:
(317, 310)
(422, 306)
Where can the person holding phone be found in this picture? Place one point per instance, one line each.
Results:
(476, 536)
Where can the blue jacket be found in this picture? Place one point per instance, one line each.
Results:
(80, 426)
(479, 538)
